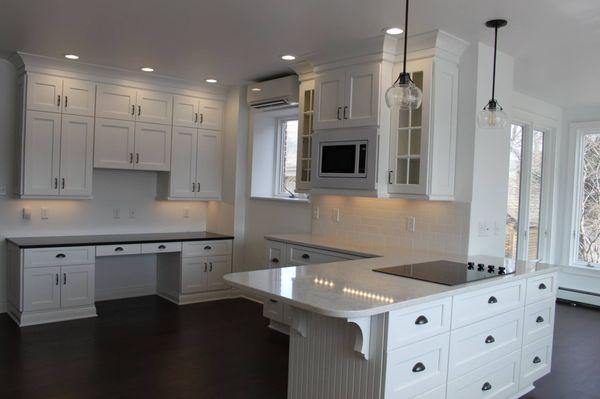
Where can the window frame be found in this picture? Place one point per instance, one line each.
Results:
(579, 130)
(278, 185)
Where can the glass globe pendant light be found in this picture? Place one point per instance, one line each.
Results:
(492, 116)
(404, 94)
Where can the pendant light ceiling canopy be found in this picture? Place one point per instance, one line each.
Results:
(404, 94)
(492, 116)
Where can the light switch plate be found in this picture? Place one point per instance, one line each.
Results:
(44, 213)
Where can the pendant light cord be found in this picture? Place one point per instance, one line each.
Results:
(405, 34)
(494, 74)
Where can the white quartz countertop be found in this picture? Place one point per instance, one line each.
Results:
(353, 289)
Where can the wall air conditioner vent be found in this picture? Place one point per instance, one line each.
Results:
(273, 94)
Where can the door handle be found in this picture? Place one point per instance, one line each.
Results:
(62, 186)
(56, 278)
(58, 101)
(131, 157)
(338, 113)
(139, 110)
(132, 110)
(201, 118)
(137, 157)
(196, 118)
(421, 320)
(346, 112)
(55, 183)
(64, 278)
(210, 263)
(390, 175)
(205, 267)
(66, 101)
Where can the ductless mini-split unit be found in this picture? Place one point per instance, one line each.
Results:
(274, 94)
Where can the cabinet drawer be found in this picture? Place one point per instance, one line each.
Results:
(300, 255)
(498, 380)
(206, 248)
(158, 247)
(273, 310)
(536, 360)
(275, 254)
(474, 346)
(437, 393)
(413, 324)
(539, 321)
(540, 288)
(474, 306)
(37, 257)
(416, 369)
(116, 250)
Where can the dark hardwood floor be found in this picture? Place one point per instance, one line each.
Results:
(149, 348)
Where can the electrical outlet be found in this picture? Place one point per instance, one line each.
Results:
(335, 214)
(26, 213)
(44, 213)
(186, 213)
(116, 213)
(131, 213)
(411, 224)
(316, 213)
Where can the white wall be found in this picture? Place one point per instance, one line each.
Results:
(111, 189)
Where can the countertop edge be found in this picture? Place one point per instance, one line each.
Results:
(325, 246)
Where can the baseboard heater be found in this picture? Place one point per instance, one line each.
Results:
(579, 296)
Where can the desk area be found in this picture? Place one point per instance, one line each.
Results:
(53, 278)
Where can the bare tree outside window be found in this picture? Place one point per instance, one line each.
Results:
(514, 192)
(589, 219)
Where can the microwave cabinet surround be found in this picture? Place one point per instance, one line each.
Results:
(345, 159)
(83, 117)
(53, 278)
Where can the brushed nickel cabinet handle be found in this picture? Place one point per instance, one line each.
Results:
(193, 187)
(118, 249)
(537, 360)
(390, 174)
(542, 286)
(207, 248)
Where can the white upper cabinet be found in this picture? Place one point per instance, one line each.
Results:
(197, 112)
(209, 165)
(116, 102)
(182, 181)
(76, 156)
(44, 92)
(154, 107)
(41, 156)
(348, 97)
(79, 97)
(152, 146)
(113, 144)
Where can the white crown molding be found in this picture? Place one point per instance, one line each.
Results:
(26, 62)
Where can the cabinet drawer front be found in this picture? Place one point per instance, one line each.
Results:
(300, 255)
(540, 288)
(273, 310)
(63, 256)
(498, 380)
(478, 344)
(539, 321)
(474, 306)
(416, 369)
(275, 254)
(158, 247)
(536, 360)
(437, 393)
(206, 248)
(418, 322)
(116, 250)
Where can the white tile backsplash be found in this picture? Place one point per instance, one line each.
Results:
(381, 223)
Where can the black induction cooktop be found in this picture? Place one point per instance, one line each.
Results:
(447, 272)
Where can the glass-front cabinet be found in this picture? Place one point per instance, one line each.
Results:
(305, 134)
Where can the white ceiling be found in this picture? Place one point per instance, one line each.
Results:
(556, 43)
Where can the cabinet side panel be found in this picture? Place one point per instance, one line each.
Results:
(168, 274)
(20, 133)
(14, 277)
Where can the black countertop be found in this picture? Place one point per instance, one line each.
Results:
(111, 239)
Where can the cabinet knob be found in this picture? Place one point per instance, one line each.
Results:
(161, 247)
(486, 387)
(305, 256)
(537, 360)
(421, 320)
(492, 300)
(59, 256)
(490, 340)
(417, 368)
(542, 286)
(274, 260)
(118, 249)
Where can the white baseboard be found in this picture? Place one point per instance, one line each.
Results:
(3, 307)
(186, 299)
(124, 292)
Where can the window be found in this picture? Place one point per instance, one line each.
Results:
(525, 232)
(587, 232)
(287, 150)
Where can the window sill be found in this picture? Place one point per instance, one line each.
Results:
(284, 199)
(582, 269)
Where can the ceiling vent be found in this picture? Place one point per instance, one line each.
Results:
(274, 94)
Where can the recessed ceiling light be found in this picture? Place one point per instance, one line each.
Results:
(394, 31)
(288, 57)
(71, 56)
(211, 80)
(256, 89)
(147, 69)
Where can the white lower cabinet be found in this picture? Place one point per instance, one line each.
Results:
(275, 254)
(77, 286)
(204, 273)
(536, 361)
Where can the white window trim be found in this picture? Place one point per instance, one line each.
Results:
(578, 130)
(277, 192)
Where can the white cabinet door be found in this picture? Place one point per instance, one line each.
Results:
(218, 266)
(41, 154)
(117, 102)
(185, 111)
(76, 156)
(41, 288)
(182, 182)
(154, 107)
(329, 99)
(209, 165)
(275, 254)
(211, 115)
(79, 97)
(361, 105)
(44, 92)
(193, 275)
(77, 285)
(114, 144)
(152, 147)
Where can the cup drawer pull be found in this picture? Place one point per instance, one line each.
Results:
(60, 256)
(207, 248)
(305, 256)
(539, 319)
(274, 260)
(161, 247)
(421, 320)
(537, 360)
(486, 387)
(118, 249)
(542, 286)
(490, 339)
(492, 300)
(417, 368)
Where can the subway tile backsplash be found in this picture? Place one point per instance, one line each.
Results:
(383, 223)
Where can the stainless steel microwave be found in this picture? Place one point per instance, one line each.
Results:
(345, 159)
